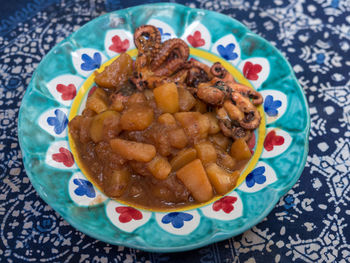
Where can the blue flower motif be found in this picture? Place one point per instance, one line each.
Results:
(91, 63)
(59, 122)
(271, 106)
(177, 219)
(165, 36)
(256, 176)
(227, 52)
(84, 188)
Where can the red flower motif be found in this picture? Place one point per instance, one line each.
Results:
(68, 92)
(118, 45)
(196, 39)
(251, 143)
(250, 70)
(271, 140)
(225, 203)
(64, 156)
(128, 213)
(92, 91)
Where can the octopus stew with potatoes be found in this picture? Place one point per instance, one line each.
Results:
(164, 131)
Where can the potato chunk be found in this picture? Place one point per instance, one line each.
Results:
(131, 150)
(167, 97)
(97, 101)
(136, 98)
(206, 152)
(105, 126)
(115, 184)
(186, 99)
(213, 123)
(167, 119)
(196, 125)
(178, 138)
(136, 118)
(159, 167)
(182, 158)
(194, 177)
(240, 150)
(221, 180)
(116, 74)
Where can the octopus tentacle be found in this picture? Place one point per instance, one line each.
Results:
(179, 77)
(196, 76)
(231, 128)
(256, 97)
(172, 55)
(210, 94)
(252, 117)
(169, 68)
(233, 111)
(217, 70)
(198, 65)
(147, 39)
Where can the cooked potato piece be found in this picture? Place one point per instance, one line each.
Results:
(221, 180)
(195, 124)
(178, 138)
(116, 74)
(167, 119)
(115, 184)
(220, 140)
(240, 150)
(105, 126)
(131, 150)
(225, 160)
(97, 101)
(213, 123)
(167, 97)
(194, 177)
(162, 142)
(200, 106)
(159, 167)
(182, 158)
(136, 98)
(204, 125)
(206, 152)
(186, 99)
(136, 118)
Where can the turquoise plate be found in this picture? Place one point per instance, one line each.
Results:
(58, 90)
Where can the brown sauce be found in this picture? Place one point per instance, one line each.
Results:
(142, 188)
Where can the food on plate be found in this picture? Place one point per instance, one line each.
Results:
(163, 131)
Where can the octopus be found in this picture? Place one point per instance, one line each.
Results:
(156, 61)
(235, 104)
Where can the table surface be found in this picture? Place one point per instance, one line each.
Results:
(309, 224)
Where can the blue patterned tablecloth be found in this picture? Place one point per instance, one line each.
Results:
(311, 223)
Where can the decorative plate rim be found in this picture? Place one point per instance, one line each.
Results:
(218, 236)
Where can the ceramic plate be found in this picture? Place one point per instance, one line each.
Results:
(58, 90)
